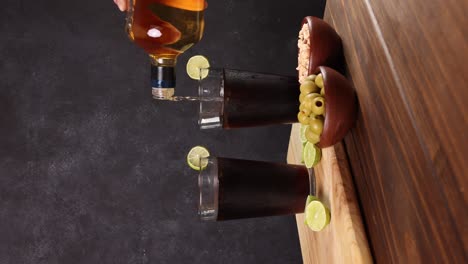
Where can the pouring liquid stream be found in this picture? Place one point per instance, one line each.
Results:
(191, 99)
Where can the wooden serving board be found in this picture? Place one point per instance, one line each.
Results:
(344, 239)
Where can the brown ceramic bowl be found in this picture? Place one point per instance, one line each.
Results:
(325, 45)
(340, 107)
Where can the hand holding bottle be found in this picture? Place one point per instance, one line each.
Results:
(122, 4)
(164, 29)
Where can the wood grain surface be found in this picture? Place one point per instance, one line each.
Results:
(407, 60)
(344, 239)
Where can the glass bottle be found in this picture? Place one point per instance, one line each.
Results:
(165, 29)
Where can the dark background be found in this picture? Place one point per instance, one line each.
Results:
(93, 171)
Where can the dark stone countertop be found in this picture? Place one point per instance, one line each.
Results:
(93, 171)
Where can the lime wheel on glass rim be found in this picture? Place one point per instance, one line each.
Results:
(194, 66)
(194, 157)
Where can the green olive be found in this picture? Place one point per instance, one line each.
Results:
(321, 117)
(310, 77)
(302, 118)
(312, 115)
(318, 105)
(309, 100)
(311, 136)
(301, 97)
(316, 125)
(322, 92)
(319, 80)
(309, 87)
(306, 111)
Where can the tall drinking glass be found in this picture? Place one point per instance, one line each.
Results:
(236, 189)
(235, 99)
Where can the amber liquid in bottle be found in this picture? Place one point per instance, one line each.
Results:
(165, 29)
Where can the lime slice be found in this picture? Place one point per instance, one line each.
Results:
(303, 138)
(303, 129)
(317, 215)
(194, 155)
(310, 198)
(194, 65)
(311, 155)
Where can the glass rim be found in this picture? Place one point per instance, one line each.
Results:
(213, 186)
(208, 100)
(200, 80)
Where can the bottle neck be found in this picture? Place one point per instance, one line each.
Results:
(163, 79)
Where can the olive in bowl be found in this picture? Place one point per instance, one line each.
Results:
(340, 106)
